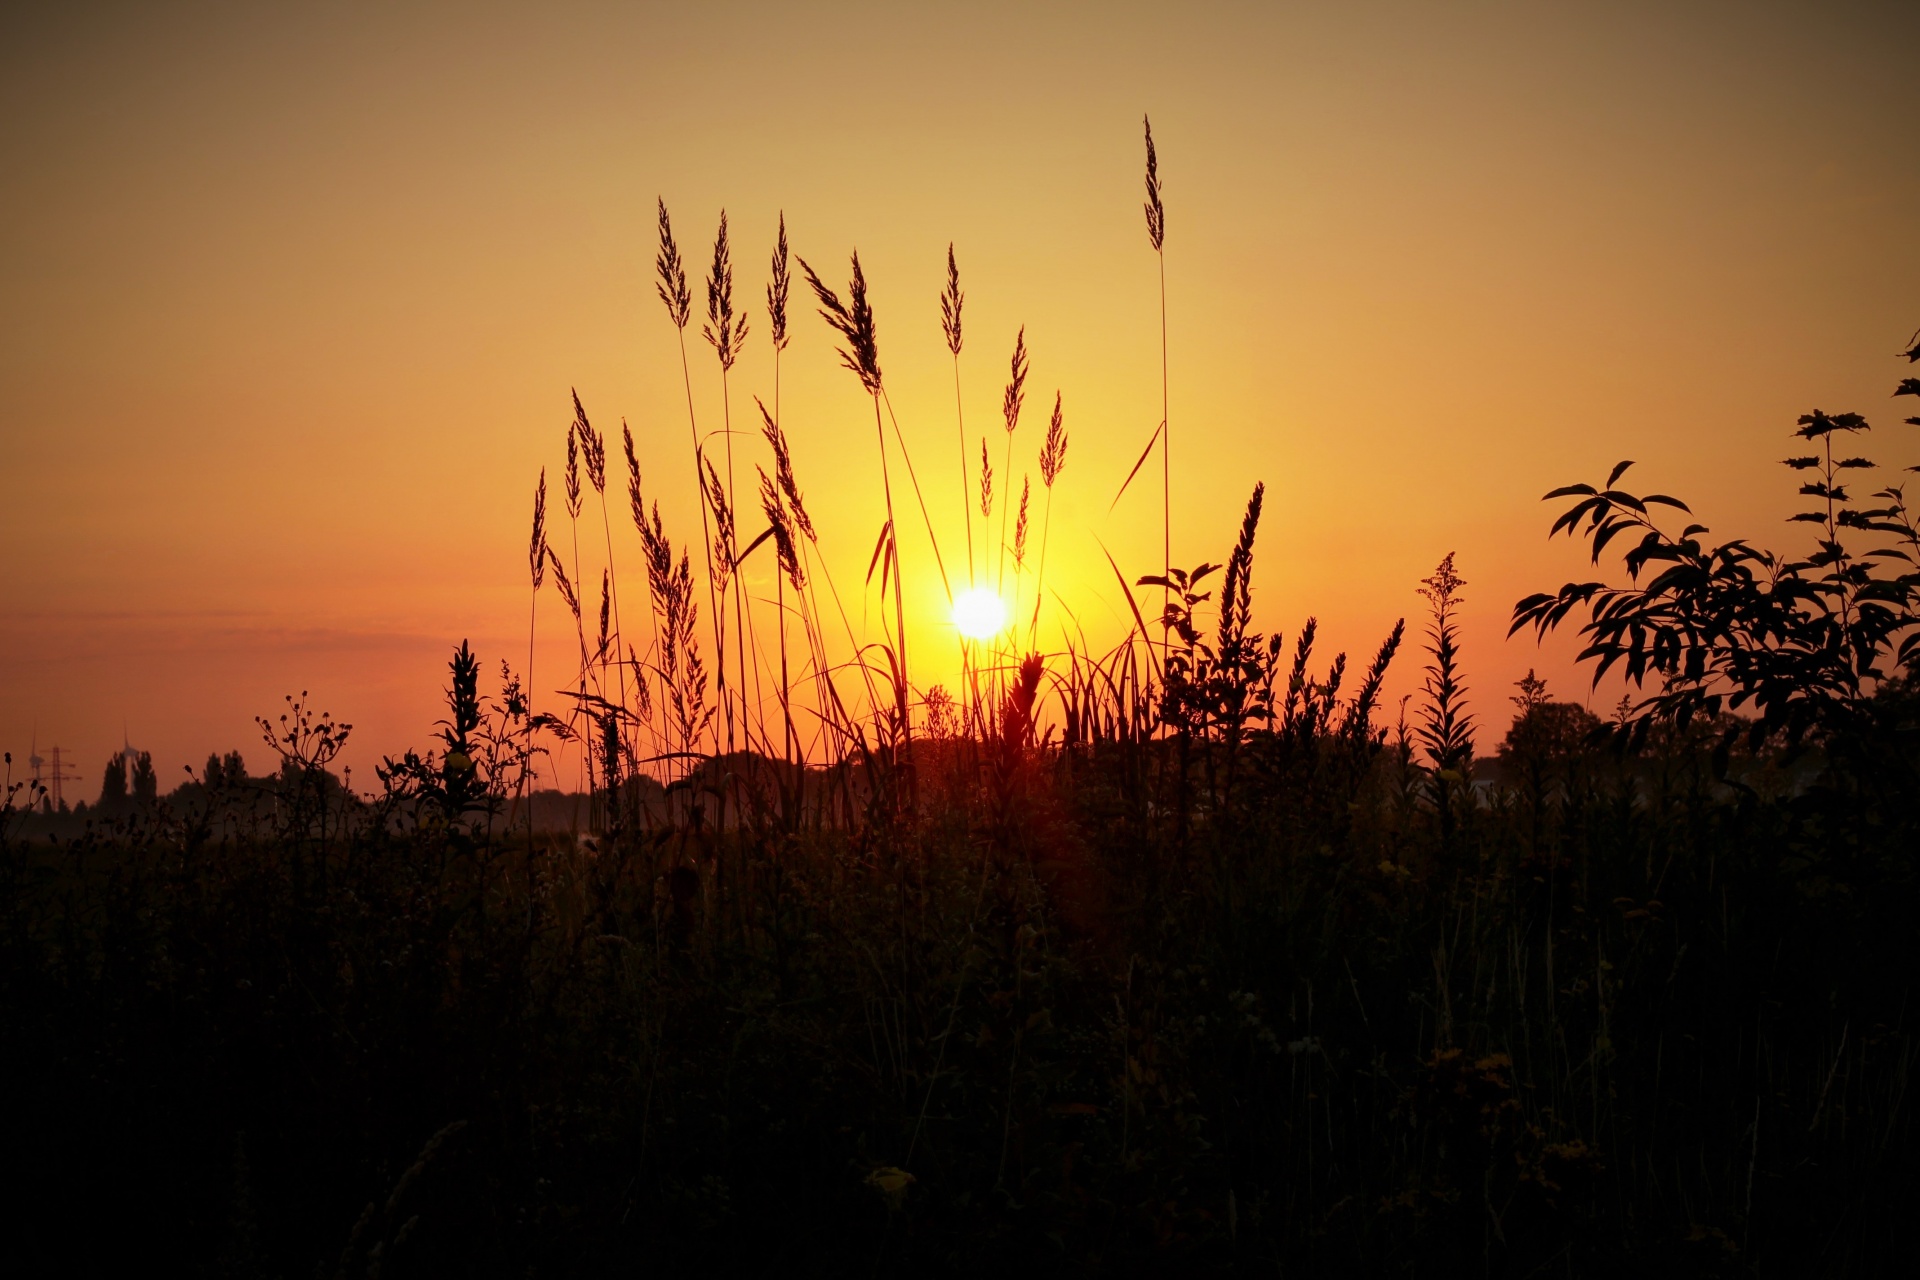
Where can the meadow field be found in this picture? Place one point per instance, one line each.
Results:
(741, 947)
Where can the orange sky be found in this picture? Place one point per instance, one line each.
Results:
(290, 304)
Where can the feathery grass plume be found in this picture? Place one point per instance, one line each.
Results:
(573, 471)
(1016, 393)
(723, 331)
(657, 550)
(986, 481)
(783, 470)
(782, 527)
(634, 506)
(1053, 454)
(593, 447)
(672, 285)
(716, 495)
(777, 290)
(537, 545)
(1020, 525)
(1156, 212)
(606, 609)
(951, 302)
(643, 694)
(565, 584)
(853, 321)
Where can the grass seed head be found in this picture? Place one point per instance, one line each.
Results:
(853, 321)
(672, 273)
(1156, 212)
(1020, 524)
(1016, 394)
(565, 583)
(783, 469)
(986, 480)
(777, 290)
(593, 447)
(950, 303)
(1053, 454)
(573, 471)
(723, 330)
(634, 506)
(537, 544)
(782, 527)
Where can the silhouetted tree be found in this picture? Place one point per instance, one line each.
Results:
(146, 788)
(113, 783)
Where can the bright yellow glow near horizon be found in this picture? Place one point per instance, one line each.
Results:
(979, 614)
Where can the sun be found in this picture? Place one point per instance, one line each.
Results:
(980, 614)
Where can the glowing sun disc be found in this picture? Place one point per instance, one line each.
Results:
(980, 614)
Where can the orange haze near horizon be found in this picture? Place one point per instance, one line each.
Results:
(292, 301)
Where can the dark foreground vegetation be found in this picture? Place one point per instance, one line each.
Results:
(1622, 1015)
(1180, 960)
(1264, 989)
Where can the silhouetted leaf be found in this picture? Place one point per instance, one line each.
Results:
(879, 545)
(1136, 466)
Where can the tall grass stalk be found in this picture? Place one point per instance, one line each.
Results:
(1157, 237)
(1010, 404)
(1053, 459)
(537, 573)
(726, 333)
(952, 301)
(854, 322)
(678, 300)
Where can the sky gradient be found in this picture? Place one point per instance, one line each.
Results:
(291, 303)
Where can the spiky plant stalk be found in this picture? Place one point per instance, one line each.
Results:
(1446, 731)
